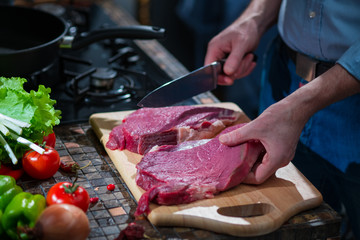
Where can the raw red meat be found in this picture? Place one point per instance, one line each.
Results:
(193, 170)
(148, 127)
(133, 231)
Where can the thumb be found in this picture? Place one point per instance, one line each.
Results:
(235, 137)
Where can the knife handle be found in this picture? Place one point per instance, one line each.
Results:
(223, 60)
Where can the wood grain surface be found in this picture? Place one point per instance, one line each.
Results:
(246, 210)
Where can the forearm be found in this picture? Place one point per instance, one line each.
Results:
(264, 13)
(332, 86)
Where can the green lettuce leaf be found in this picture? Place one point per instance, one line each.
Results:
(34, 107)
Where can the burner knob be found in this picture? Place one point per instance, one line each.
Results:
(103, 78)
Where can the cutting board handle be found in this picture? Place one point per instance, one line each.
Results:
(247, 210)
(251, 219)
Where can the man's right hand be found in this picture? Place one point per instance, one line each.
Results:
(234, 44)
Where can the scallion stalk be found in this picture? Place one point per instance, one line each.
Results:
(11, 126)
(8, 150)
(4, 130)
(26, 142)
(15, 121)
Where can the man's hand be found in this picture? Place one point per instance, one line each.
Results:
(237, 41)
(276, 129)
(234, 43)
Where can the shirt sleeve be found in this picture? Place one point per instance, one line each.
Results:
(350, 60)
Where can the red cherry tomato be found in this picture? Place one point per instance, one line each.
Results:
(111, 187)
(50, 140)
(41, 166)
(65, 192)
(94, 200)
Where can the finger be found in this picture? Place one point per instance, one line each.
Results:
(246, 67)
(262, 171)
(233, 63)
(249, 69)
(245, 71)
(225, 80)
(235, 137)
(213, 55)
(252, 179)
(249, 64)
(214, 52)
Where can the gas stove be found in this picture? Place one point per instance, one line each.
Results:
(109, 75)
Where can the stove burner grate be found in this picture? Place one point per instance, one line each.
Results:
(108, 75)
(96, 83)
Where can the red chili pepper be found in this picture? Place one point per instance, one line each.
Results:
(110, 187)
(7, 170)
(69, 167)
(94, 200)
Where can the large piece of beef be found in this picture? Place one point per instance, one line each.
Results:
(193, 170)
(147, 127)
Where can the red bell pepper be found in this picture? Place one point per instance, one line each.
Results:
(9, 171)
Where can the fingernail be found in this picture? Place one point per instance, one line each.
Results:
(223, 138)
(228, 81)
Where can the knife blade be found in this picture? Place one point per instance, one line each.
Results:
(198, 81)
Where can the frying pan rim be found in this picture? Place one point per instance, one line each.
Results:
(43, 45)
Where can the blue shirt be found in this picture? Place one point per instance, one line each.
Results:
(327, 30)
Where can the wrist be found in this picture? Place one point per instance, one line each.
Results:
(330, 87)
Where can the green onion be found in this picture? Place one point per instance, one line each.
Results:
(15, 121)
(12, 126)
(26, 142)
(4, 130)
(7, 124)
(8, 150)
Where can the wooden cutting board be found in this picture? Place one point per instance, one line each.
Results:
(245, 210)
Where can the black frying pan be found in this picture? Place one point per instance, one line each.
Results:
(30, 39)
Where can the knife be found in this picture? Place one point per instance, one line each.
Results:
(198, 81)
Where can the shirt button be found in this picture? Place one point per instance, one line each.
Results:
(312, 14)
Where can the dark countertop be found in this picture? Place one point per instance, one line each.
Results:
(115, 208)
